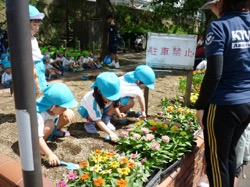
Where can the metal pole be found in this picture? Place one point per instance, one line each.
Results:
(23, 80)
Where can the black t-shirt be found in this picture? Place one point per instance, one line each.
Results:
(113, 33)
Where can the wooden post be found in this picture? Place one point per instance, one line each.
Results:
(146, 92)
(188, 88)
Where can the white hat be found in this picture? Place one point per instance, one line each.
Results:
(208, 4)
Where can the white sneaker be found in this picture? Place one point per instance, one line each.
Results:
(111, 126)
(112, 64)
(117, 65)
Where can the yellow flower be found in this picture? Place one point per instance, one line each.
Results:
(96, 168)
(139, 123)
(180, 77)
(169, 116)
(152, 122)
(122, 183)
(96, 158)
(107, 171)
(164, 126)
(98, 181)
(114, 164)
(182, 117)
(123, 171)
(183, 133)
(199, 71)
(103, 158)
(174, 128)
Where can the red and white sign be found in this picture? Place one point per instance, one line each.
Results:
(171, 51)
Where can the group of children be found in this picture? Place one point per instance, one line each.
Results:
(56, 62)
(109, 95)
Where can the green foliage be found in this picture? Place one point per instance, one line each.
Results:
(158, 141)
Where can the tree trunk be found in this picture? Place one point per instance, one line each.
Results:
(105, 9)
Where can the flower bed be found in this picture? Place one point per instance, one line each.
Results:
(109, 169)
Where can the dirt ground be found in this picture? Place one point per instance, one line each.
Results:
(80, 144)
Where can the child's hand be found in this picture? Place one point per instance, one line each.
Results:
(69, 115)
(114, 137)
(53, 160)
(121, 115)
(143, 115)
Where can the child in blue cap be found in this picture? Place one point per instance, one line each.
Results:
(57, 99)
(132, 86)
(39, 69)
(7, 75)
(96, 104)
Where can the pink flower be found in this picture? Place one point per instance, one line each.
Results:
(149, 137)
(165, 139)
(137, 136)
(167, 122)
(124, 134)
(145, 130)
(134, 155)
(72, 175)
(61, 184)
(155, 146)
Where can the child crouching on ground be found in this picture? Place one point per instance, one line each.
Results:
(132, 86)
(55, 102)
(7, 75)
(96, 104)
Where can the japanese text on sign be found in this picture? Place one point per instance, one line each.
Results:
(171, 51)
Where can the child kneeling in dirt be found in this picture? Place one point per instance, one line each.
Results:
(96, 105)
(53, 114)
(132, 86)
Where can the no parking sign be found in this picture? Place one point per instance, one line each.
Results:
(171, 51)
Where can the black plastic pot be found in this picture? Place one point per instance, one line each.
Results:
(154, 179)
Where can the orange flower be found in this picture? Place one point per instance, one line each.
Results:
(99, 181)
(122, 183)
(84, 176)
(194, 72)
(110, 154)
(153, 128)
(98, 152)
(124, 160)
(131, 164)
(83, 164)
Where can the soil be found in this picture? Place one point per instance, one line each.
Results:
(77, 147)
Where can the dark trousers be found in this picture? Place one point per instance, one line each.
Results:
(223, 126)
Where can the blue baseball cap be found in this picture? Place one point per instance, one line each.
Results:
(4, 56)
(56, 94)
(142, 73)
(109, 85)
(6, 64)
(34, 13)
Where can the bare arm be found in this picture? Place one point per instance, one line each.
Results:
(104, 128)
(141, 101)
(53, 159)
